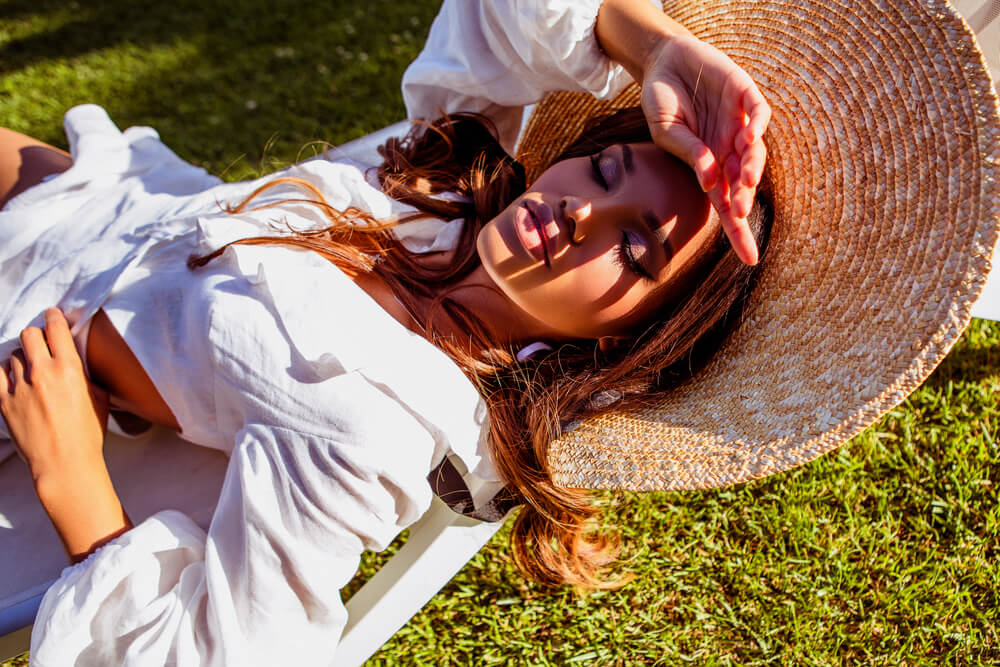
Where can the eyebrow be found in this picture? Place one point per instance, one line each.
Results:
(627, 157)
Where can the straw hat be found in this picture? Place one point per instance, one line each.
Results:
(884, 160)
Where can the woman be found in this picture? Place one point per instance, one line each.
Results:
(317, 473)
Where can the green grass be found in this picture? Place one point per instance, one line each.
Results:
(219, 80)
(884, 552)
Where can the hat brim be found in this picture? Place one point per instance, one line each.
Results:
(884, 163)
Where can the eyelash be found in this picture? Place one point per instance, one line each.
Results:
(595, 164)
(626, 260)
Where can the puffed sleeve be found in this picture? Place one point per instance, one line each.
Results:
(494, 57)
(262, 587)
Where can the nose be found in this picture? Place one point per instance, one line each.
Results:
(577, 213)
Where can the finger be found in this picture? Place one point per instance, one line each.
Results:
(17, 368)
(58, 335)
(743, 200)
(679, 140)
(747, 176)
(738, 232)
(732, 171)
(719, 198)
(759, 111)
(737, 229)
(741, 195)
(34, 345)
(751, 126)
(706, 169)
(752, 164)
(5, 387)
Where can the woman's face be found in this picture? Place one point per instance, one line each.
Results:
(597, 243)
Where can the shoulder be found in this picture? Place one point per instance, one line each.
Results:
(297, 343)
(384, 297)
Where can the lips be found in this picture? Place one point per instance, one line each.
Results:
(529, 222)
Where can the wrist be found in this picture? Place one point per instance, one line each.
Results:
(659, 55)
(68, 457)
(83, 507)
(61, 486)
(634, 32)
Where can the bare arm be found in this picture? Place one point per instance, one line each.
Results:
(630, 31)
(84, 510)
(24, 162)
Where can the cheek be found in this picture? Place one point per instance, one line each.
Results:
(494, 253)
(596, 291)
(582, 297)
(573, 278)
(592, 280)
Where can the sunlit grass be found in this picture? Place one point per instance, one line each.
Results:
(884, 552)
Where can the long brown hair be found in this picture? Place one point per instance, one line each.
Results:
(554, 539)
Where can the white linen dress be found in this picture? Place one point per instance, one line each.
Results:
(270, 354)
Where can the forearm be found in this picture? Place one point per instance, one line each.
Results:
(630, 30)
(84, 509)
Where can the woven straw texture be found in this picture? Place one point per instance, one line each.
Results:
(884, 158)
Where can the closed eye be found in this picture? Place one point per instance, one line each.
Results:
(595, 165)
(626, 258)
(605, 170)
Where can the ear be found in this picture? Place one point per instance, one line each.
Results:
(607, 343)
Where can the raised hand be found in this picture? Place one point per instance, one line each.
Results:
(707, 111)
(700, 106)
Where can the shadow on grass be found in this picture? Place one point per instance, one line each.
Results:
(976, 357)
(218, 80)
(972, 366)
(82, 27)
